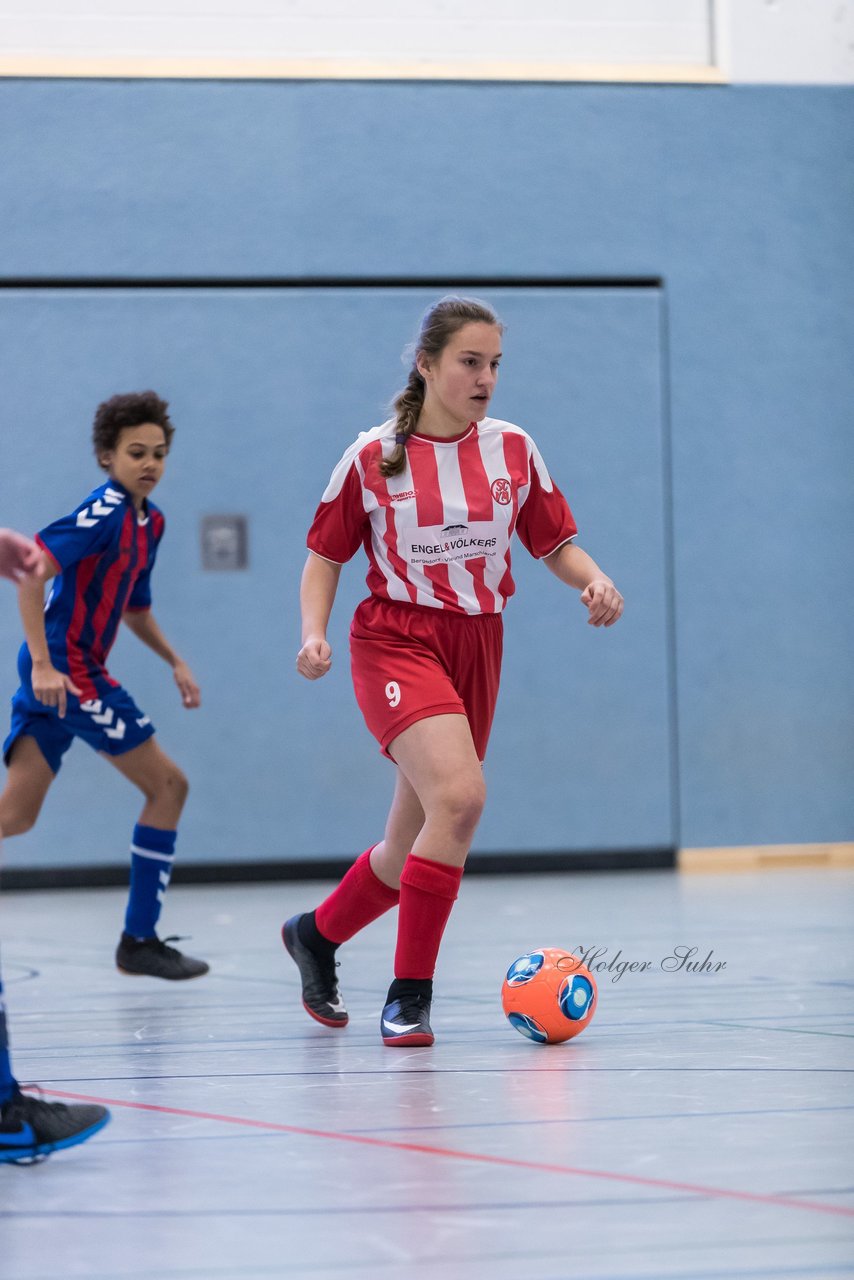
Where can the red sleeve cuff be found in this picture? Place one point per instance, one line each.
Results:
(322, 555)
(46, 549)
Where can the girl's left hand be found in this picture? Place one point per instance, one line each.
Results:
(191, 694)
(604, 602)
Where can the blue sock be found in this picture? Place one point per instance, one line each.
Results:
(8, 1083)
(152, 854)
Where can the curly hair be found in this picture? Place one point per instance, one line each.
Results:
(440, 323)
(130, 410)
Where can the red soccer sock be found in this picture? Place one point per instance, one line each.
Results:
(428, 891)
(360, 898)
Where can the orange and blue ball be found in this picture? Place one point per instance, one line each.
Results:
(549, 995)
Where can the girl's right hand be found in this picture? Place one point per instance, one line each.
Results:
(314, 658)
(52, 687)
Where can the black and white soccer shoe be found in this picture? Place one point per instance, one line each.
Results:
(406, 1022)
(320, 995)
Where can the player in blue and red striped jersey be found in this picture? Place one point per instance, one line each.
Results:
(99, 559)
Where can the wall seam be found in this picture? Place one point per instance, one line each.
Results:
(331, 282)
(667, 479)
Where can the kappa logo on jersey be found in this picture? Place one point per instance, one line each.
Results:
(501, 491)
(89, 516)
(105, 716)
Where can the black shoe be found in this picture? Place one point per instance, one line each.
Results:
(156, 959)
(320, 995)
(31, 1129)
(406, 1022)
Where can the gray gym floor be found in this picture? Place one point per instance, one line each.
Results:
(700, 1127)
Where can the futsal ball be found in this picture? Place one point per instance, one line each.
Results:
(549, 995)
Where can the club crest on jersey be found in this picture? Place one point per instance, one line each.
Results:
(501, 491)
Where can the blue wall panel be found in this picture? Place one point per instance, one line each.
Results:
(216, 179)
(739, 198)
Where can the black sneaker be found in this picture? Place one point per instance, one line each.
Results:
(31, 1129)
(320, 995)
(407, 1022)
(153, 957)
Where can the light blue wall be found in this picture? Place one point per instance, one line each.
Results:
(739, 199)
(267, 387)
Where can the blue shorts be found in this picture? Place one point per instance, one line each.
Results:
(111, 723)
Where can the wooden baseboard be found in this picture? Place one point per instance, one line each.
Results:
(64, 66)
(765, 857)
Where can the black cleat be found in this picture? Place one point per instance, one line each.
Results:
(31, 1129)
(153, 957)
(406, 1022)
(320, 995)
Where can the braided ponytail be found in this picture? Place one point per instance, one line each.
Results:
(407, 406)
(440, 323)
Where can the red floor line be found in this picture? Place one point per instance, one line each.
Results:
(449, 1153)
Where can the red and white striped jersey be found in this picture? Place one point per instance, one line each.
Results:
(439, 533)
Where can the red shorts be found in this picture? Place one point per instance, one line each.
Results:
(410, 662)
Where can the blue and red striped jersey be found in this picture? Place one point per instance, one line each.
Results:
(105, 552)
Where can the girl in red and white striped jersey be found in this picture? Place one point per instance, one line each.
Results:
(434, 495)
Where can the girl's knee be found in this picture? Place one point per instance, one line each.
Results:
(463, 801)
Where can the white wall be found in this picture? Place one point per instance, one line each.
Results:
(551, 38)
(751, 41)
(787, 41)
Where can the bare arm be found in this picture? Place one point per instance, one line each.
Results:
(576, 568)
(317, 595)
(144, 626)
(49, 685)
